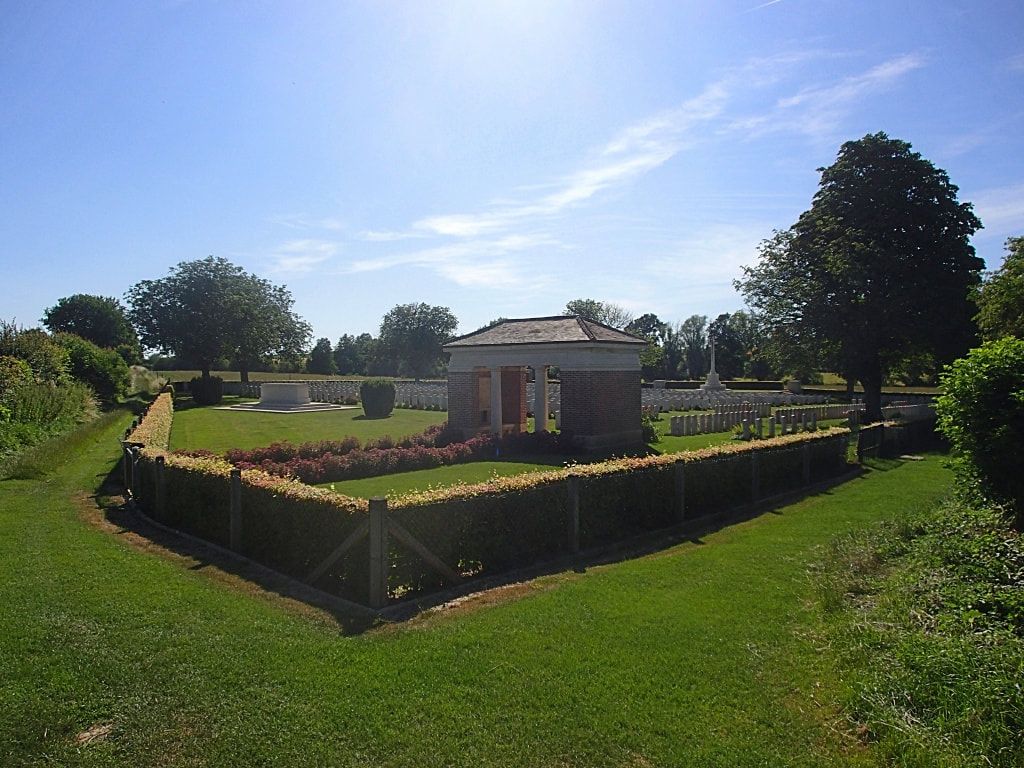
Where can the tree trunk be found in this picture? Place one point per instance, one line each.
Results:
(243, 371)
(871, 380)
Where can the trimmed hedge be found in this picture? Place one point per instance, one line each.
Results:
(378, 397)
(482, 529)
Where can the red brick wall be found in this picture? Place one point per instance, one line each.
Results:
(513, 396)
(463, 409)
(601, 403)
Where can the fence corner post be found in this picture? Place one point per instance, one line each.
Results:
(235, 519)
(679, 476)
(807, 462)
(161, 489)
(135, 453)
(755, 475)
(573, 488)
(378, 552)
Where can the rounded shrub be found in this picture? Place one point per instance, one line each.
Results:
(209, 391)
(981, 413)
(378, 396)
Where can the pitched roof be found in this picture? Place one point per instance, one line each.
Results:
(561, 329)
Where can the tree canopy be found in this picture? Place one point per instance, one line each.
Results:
(209, 309)
(1001, 298)
(879, 271)
(99, 319)
(412, 336)
(599, 311)
(321, 358)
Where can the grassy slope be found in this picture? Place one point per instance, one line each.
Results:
(697, 655)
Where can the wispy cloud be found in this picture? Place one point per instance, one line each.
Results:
(470, 263)
(486, 247)
(637, 150)
(301, 256)
(1016, 63)
(819, 110)
(303, 222)
(763, 5)
(372, 236)
(1001, 209)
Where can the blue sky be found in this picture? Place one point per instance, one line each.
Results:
(498, 158)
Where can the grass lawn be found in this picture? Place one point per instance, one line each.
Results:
(424, 479)
(705, 653)
(218, 430)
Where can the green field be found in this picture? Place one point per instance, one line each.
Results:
(705, 653)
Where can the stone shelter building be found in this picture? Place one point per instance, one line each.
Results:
(599, 372)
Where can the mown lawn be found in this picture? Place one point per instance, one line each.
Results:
(702, 654)
(218, 430)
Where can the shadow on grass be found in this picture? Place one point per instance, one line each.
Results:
(235, 572)
(246, 576)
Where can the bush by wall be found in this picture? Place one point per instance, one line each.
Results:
(378, 397)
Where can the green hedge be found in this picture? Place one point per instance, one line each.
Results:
(484, 529)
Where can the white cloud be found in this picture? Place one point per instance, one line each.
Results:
(1016, 63)
(818, 111)
(301, 256)
(303, 222)
(372, 236)
(713, 256)
(1001, 209)
(471, 263)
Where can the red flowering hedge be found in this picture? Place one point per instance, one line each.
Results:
(329, 461)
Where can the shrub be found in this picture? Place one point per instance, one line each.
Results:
(102, 369)
(378, 396)
(649, 427)
(208, 391)
(14, 373)
(981, 413)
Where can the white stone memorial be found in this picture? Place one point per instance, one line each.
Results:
(286, 397)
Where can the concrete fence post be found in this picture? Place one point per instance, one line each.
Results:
(235, 517)
(573, 489)
(378, 552)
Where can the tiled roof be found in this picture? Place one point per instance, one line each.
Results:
(545, 330)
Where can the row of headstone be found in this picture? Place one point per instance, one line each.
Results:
(758, 418)
(702, 400)
(908, 411)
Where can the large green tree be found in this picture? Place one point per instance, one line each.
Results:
(652, 357)
(412, 336)
(599, 311)
(321, 358)
(691, 339)
(1001, 298)
(210, 309)
(879, 271)
(99, 319)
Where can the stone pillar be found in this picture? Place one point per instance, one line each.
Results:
(496, 401)
(540, 398)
